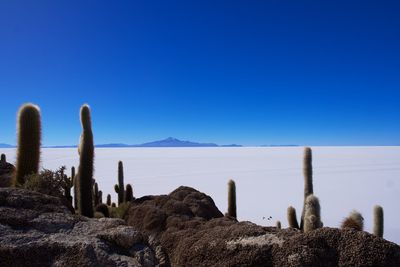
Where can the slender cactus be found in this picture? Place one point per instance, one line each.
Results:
(96, 195)
(100, 198)
(278, 225)
(292, 219)
(378, 221)
(308, 180)
(29, 137)
(74, 183)
(128, 193)
(232, 199)
(312, 215)
(3, 158)
(119, 188)
(85, 171)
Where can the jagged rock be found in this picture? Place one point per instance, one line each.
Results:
(6, 173)
(192, 232)
(39, 230)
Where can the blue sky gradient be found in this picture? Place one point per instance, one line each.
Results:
(246, 72)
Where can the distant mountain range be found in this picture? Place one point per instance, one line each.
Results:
(169, 142)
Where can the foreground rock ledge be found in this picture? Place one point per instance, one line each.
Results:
(38, 230)
(193, 232)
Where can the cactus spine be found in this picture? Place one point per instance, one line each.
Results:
(308, 180)
(312, 214)
(119, 188)
(232, 199)
(292, 219)
(378, 221)
(128, 193)
(29, 135)
(85, 171)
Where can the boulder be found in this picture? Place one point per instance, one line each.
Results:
(7, 171)
(39, 230)
(193, 232)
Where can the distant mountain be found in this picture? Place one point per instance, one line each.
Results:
(169, 142)
(6, 146)
(173, 142)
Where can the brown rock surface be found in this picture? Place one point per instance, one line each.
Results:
(192, 232)
(38, 230)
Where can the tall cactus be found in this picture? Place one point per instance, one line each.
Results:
(232, 199)
(312, 214)
(85, 171)
(308, 180)
(119, 188)
(378, 221)
(292, 219)
(128, 193)
(3, 158)
(29, 137)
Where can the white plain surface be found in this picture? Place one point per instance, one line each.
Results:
(268, 179)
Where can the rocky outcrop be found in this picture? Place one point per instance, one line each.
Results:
(39, 230)
(7, 171)
(193, 232)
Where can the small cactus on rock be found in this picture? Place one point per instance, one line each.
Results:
(128, 193)
(354, 221)
(292, 219)
(232, 199)
(312, 214)
(378, 221)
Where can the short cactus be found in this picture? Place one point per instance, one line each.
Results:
(292, 219)
(119, 188)
(85, 171)
(128, 193)
(108, 202)
(68, 184)
(308, 179)
(29, 138)
(278, 225)
(312, 215)
(100, 197)
(102, 208)
(232, 199)
(378, 221)
(3, 158)
(354, 221)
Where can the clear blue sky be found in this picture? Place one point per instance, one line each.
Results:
(247, 72)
